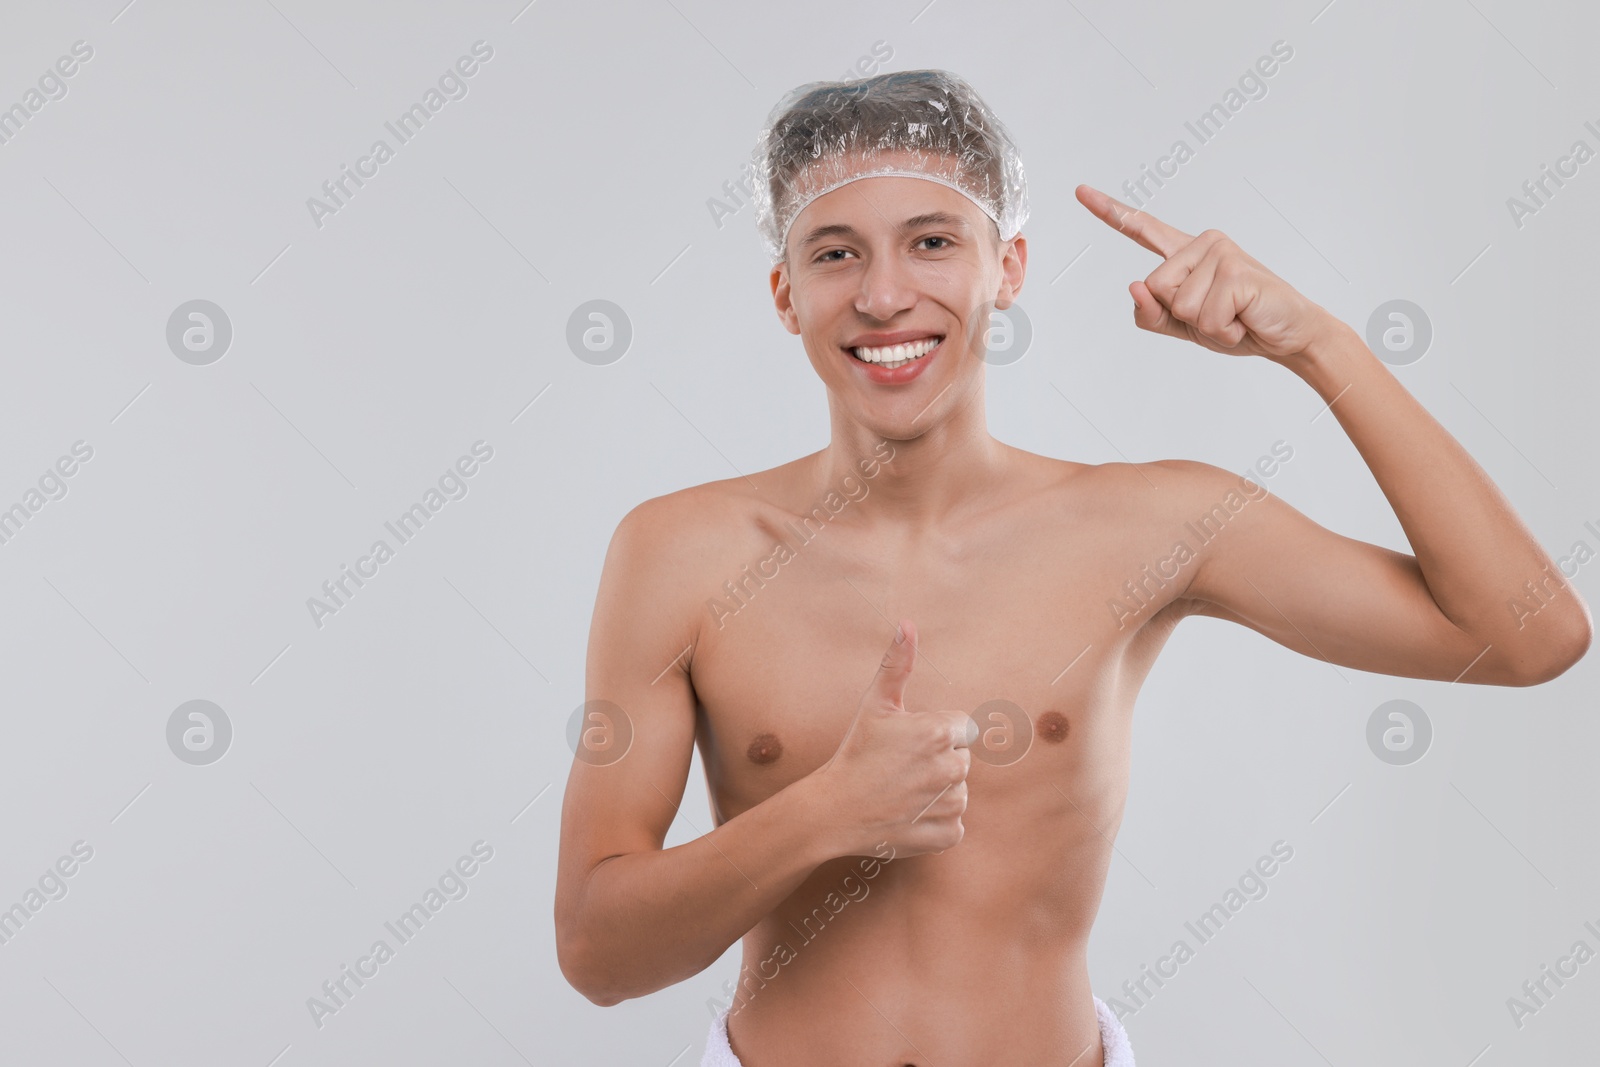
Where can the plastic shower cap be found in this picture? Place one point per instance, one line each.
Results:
(914, 123)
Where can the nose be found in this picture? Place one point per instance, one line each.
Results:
(887, 288)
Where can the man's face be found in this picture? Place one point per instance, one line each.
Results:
(887, 260)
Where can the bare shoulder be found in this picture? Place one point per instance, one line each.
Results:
(674, 547)
(1163, 516)
(1164, 489)
(687, 523)
(1120, 493)
(1189, 505)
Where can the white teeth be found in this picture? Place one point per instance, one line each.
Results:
(896, 355)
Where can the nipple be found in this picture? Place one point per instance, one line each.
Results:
(766, 748)
(1052, 727)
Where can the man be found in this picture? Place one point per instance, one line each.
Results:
(910, 888)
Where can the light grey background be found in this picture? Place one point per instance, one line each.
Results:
(430, 312)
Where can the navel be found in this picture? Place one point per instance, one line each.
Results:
(766, 748)
(1052, 727)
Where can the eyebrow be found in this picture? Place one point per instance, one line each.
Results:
(929, 218)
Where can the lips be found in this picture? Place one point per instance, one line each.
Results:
(890, 354)
(907, 371)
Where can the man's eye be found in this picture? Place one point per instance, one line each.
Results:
(824, 257)
(944, 239)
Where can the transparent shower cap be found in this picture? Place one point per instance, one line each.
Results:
(915, 123)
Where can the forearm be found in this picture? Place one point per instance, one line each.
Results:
(651, 919)
(1478, 558)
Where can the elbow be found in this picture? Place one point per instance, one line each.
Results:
(578, 970)
(1563, 655)
(599, 995)
(1583, 636)
(602, 999)
(582, 963)
(582, 969)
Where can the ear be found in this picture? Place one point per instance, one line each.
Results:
(1013, 270)
(781, 298)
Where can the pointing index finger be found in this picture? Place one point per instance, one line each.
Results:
(1142, 226)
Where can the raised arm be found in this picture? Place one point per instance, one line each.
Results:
(632, 918)
(1480, 601)
(1360, 605)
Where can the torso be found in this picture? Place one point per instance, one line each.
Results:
(938, 959)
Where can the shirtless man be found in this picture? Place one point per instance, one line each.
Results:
(956, 873)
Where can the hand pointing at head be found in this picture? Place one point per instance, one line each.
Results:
(1207, 290)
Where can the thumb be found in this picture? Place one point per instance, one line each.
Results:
(1151, 314)
(889, 684)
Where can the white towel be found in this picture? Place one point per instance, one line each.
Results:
(718, 1052)
(1113, 1040)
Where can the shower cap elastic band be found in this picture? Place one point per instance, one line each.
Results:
(927, 124)
(891, 172)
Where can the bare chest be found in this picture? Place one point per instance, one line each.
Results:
(1018, 628)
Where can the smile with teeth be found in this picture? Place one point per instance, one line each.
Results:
(893, 356)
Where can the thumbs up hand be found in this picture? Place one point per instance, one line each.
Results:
(899, 776)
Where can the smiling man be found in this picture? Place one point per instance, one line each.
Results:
(917, 736)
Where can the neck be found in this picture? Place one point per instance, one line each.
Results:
(927, 477)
